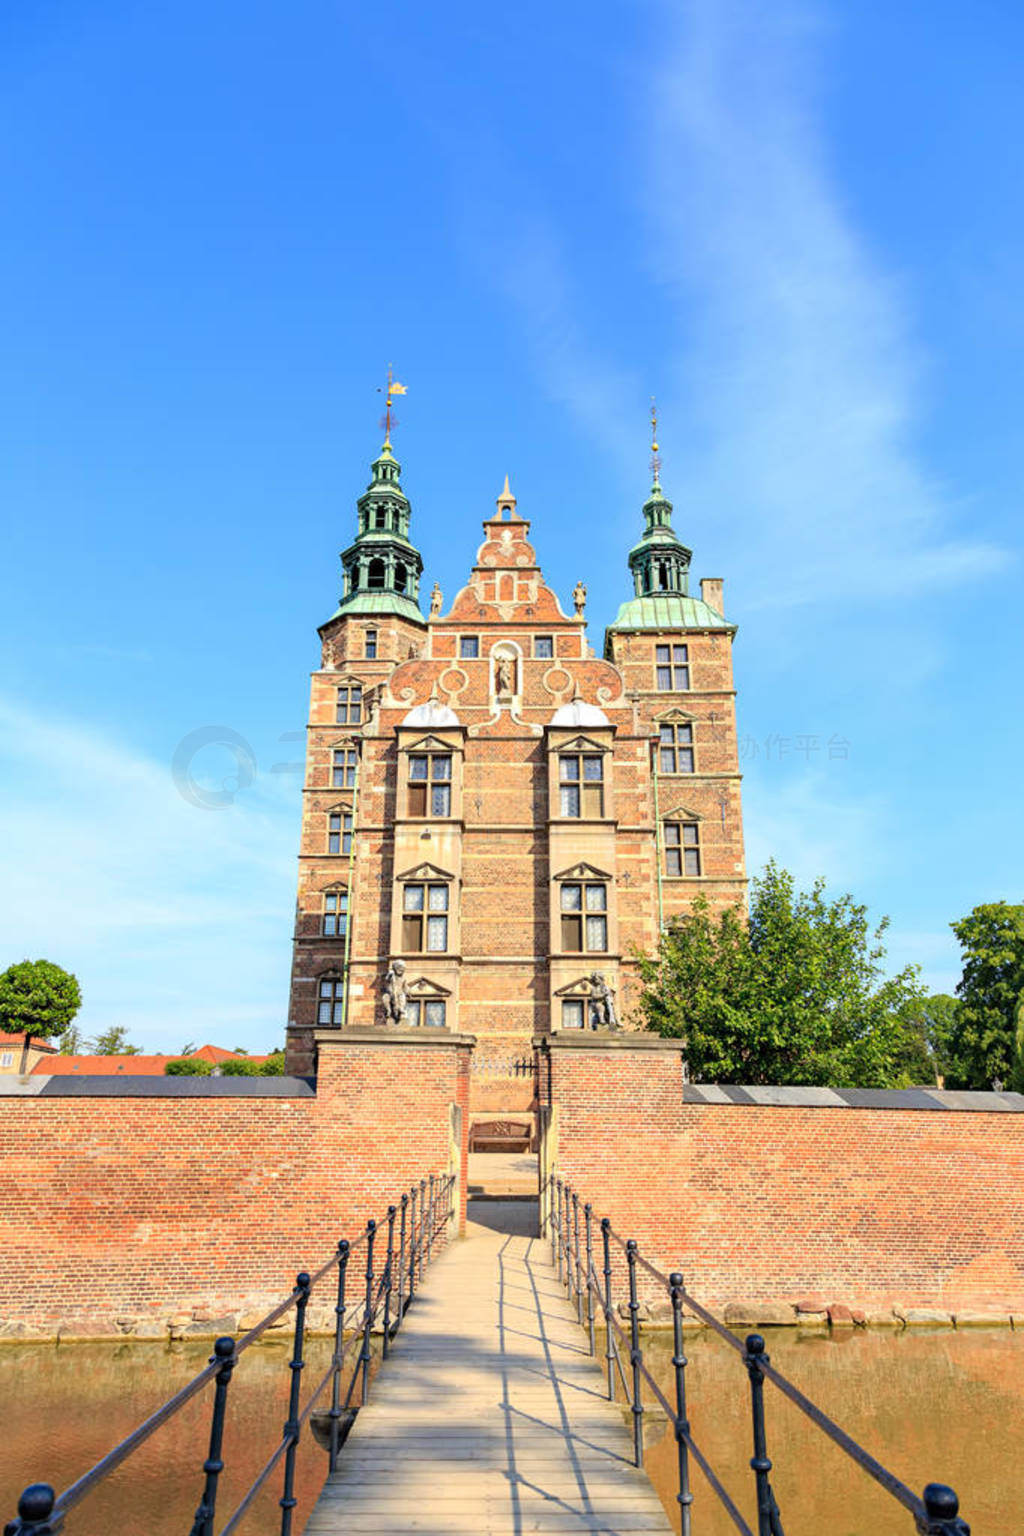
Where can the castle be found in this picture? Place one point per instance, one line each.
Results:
(495, 817)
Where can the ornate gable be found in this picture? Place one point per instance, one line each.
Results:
(583, 871)
(425, 872)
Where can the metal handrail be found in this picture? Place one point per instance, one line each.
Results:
(935, 1512)
(41, 1512)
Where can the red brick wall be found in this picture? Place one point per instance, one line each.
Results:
(121, 1206)
(759, 1203)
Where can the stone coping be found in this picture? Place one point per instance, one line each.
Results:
(98, 1086)
(606, 1040)
(387, 1034)
(855, 1098)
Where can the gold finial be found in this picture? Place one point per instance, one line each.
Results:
(393, 388)
(655, 459)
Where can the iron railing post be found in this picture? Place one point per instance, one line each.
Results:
(213, 1466)
(34, 1510)
(768, 1521)
(339, 1346)
(404, 1207)
(635, 1356)
(558, 1227)
(679, 1362)
(412, 1242)
(587, 1214)
(392, 1213)
(942, 1509)
(288, 1500)
(364, 1354)
(423, 1225)
(609, 1350)
(430, 1224)
(576, 1254)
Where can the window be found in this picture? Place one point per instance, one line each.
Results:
(581, 784)
(400, 576)
(543, 647)
(673, 667)
(584, 917)
(339, 832)
(430, 784)
(379, 517)
(425, 916)
(343, 767)
(469, 647)
(330, 1001)
(574, 1013)
(6, 1058)
(370, 645)
(376, 574)
(675, 749)
(682, 848)
(429, 1011)
(349, 708)
(335, 914)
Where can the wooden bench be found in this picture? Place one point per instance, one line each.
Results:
(500, 1136)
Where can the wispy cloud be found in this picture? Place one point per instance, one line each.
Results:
(797, 363)
(174, 918)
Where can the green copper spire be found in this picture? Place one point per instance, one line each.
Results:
(382, 568)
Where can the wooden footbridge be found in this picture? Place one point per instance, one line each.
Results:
(490, 1416)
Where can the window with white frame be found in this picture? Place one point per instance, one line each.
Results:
(430, 784)
(330, 1001)
(469, 647)
(544, 647)
(334, 919)
(339, 831)
(427, 1011)
(574, 1013)
(370, 645)
(584, 912)
(424, 917)
(6, 1058)
(343, 767)
(672, 668)
(581, 784)
(349, 707)
(682, 847)
(675, 747)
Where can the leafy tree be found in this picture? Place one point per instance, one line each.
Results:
(929, 1022)
(988, 1034)
(187, 1048)
(274, 1065)
(37, 998)
(72, 1041)
(187, 1066)
(796, 995)
(114, 1042)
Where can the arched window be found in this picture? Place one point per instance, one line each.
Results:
(376, 574)
(399, 576)
(662, 578)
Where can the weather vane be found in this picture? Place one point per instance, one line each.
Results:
(389, 421)
(655, 457)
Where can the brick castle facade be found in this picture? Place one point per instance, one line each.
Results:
(492, 803)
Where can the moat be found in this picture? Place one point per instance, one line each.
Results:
(935, 1404)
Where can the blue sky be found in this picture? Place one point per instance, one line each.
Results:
(799, 225)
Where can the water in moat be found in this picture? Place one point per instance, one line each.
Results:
(935, 1405)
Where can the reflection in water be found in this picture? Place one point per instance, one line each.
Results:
(933, 1406)
(66, 1406)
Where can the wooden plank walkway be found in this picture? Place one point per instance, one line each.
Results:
(489, 1415)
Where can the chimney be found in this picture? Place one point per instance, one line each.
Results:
(711, 592)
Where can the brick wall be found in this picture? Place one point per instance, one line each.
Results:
(115, 1203)
(864, 1198)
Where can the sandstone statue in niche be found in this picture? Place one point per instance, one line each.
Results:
(602, 1003)
(394, 994)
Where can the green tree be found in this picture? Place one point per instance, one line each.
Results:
(929, 1023)
(986, 1044)
(274, 1065)
(114, 1042)
(72, 1041)
(187, 1066)
(796, 995)
(37, 999)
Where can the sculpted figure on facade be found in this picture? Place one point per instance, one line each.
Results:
(395, 997)
(505, 674)
(579, 598)
(436, 600)
(602, 1003)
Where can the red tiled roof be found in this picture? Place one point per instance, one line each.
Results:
(130, 1066)
(38, 1044)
